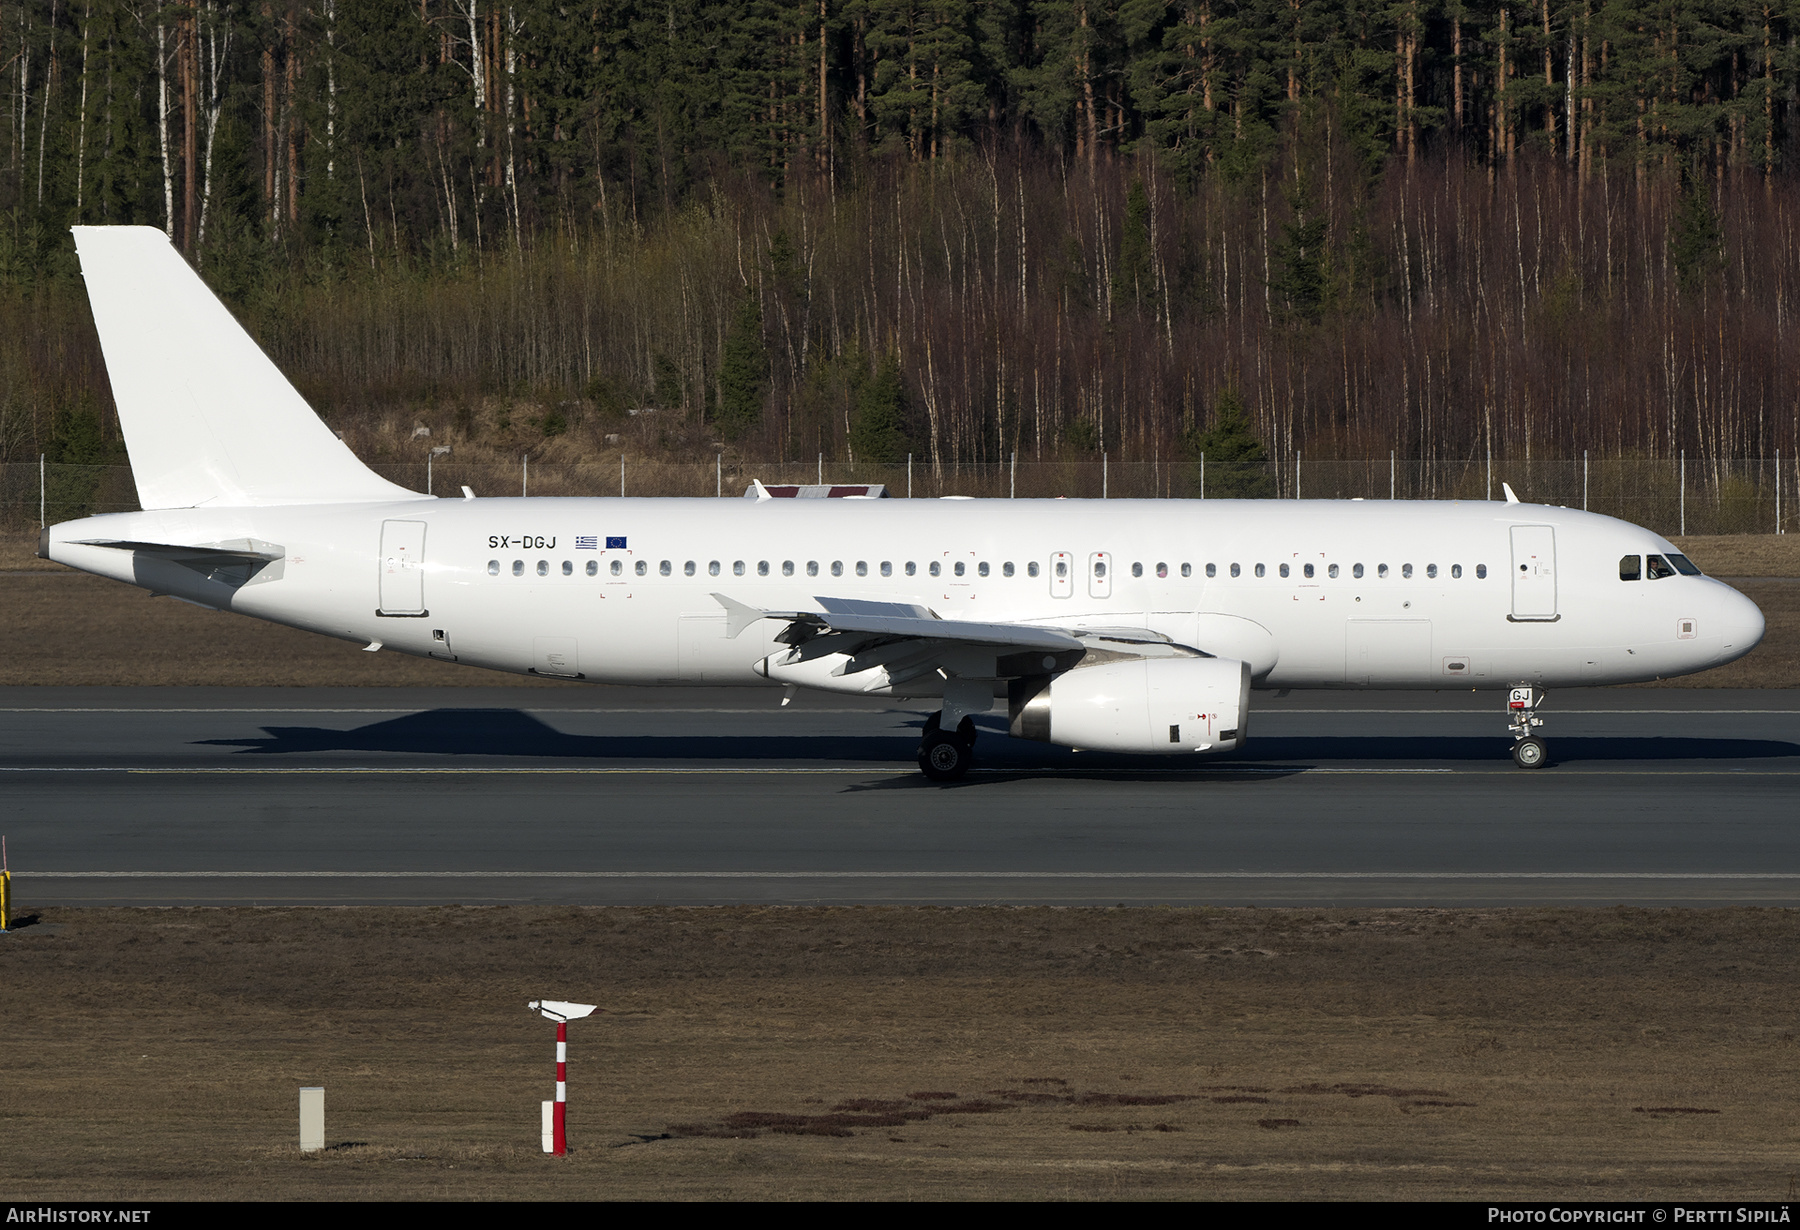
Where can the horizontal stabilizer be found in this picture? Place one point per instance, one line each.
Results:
(208, 419)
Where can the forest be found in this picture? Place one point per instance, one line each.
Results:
(860, 229)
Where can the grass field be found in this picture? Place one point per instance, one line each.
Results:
(894, 1053)
(60, 627)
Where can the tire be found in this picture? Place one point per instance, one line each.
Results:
(1531, 753)
(943, 758)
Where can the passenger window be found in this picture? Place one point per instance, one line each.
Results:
(887, 568)
(1684, 565)
(1356, 570)
(666, 568)
(1236, 571)
(1332, 571)
(1062, 569)
(543, 568)
(981, 569)
(912, 569)
(1406, 572)
(812, 567)
(935, 568)
(1481, 572)
(1031, 569)
(712, 569)
(837, 567)
(618, 567)
(1284, 570)
(1162, 569)
(787, 567)
(1259, 570)
(1212, 570)
(568, 568)
(1099, 568)
(1657, 567)
(1308, 570)
(862, 567)
(1431, 571)
(1381, 572)
(1187, 570)
(762, 567)
(1006, 569)
(1456, 572)
(688, 568)
(518, 568)
(1137, 569)
(643, 567)
(493, 568)
(737, 568)
(959, 568)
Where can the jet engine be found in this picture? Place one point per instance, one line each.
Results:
(1137, 705)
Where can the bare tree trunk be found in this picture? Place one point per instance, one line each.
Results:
(217, 49)
(162, 126)
(81, 141)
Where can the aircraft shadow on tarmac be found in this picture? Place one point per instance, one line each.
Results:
(516, 734)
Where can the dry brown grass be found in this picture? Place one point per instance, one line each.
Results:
(893, 1053)
(62, 628)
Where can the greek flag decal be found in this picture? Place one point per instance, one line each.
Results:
(587, 544)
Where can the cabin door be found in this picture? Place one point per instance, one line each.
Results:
(402, 568)
(1533, 572)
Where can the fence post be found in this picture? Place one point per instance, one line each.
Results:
(1296, 474)
(1778, 491)
(1012, 486)
(909, 476)
(1490, 464)
(1584, 480)
(524, 475)
(1393, 487)
(1103, 474)
(40, 491)
(1203, 476)
(1682, 479)
(821, 469)
(621, 474)
(718, 475)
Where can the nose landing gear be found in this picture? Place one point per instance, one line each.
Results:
(1529, 751)
(946, 757)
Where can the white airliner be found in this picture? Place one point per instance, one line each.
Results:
(1123, 625)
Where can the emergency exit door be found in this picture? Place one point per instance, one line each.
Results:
(402, 568)
(1533, 572)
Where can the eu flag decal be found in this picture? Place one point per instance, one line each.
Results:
(588, 543)
(615, 544)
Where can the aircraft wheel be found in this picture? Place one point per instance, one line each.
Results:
(1530, 753)
(944, 758)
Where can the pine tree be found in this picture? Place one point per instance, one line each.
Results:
(744, 374)
(1237, 466)
(1695, 240)
(878, 424)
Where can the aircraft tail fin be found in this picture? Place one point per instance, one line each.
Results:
(208, 419)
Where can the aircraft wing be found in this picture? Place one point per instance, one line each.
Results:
(897, 621)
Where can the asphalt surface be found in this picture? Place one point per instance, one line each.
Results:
(701, 796)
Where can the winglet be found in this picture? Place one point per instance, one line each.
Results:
(758, 492)
(1510, 497)
(737, 615)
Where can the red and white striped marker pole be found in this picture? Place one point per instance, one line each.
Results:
(562, 1013)
(559, 1137)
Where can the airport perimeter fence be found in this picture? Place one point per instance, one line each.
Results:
(1671, 496)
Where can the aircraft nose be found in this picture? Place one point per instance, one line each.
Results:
(1741, 624)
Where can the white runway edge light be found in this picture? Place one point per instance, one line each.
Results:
(556, 1135)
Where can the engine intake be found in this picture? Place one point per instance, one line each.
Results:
(1141, 705)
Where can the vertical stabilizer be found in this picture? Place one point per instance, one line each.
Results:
(208, 419)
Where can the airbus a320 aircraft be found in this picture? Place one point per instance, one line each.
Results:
(1122, 625)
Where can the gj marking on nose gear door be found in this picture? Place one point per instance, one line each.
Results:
(402, 568)
(1533, 573)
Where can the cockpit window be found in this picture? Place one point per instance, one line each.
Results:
(1683, 565)
(1658, 567)
(1631, 568)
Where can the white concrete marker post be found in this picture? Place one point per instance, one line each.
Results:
(556, 1139)
(312, 1118)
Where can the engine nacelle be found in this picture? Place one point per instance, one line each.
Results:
(1140, 705)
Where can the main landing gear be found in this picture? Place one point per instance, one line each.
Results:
(1529, 751)
(946, 757)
